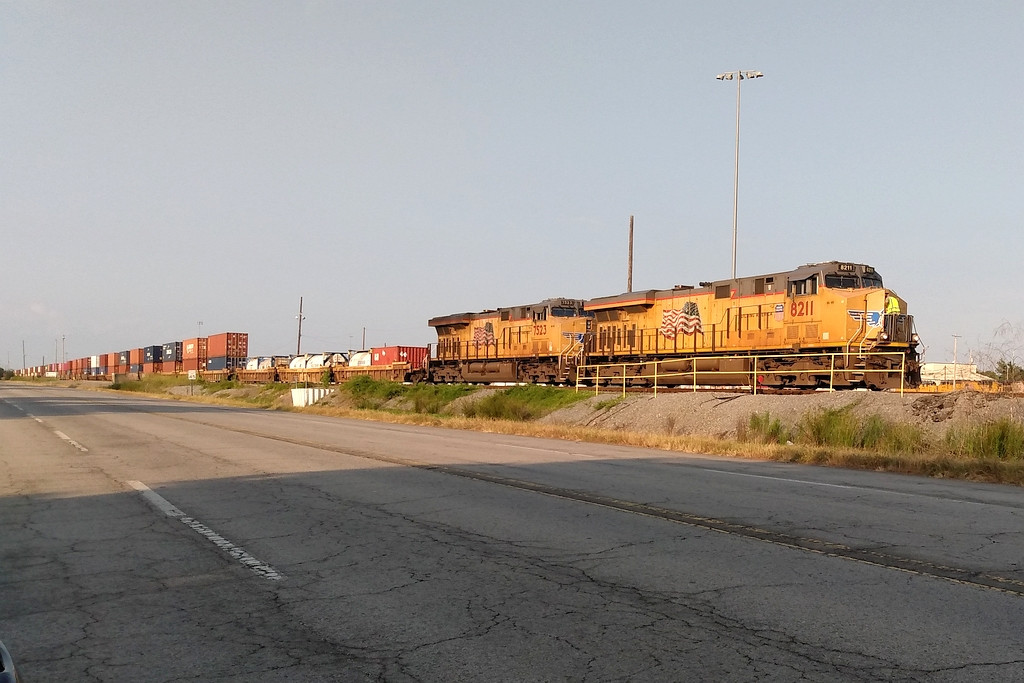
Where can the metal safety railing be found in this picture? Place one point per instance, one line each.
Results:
(618, 373)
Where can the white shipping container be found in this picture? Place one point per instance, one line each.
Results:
(360, 359)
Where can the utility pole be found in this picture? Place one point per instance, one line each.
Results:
(629, 272)
(955, 338)
(298, 343)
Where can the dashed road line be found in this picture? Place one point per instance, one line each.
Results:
(70, 441)
(238, 553)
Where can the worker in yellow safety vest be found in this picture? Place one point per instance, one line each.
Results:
(892, 305)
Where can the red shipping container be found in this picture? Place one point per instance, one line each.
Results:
(386, 355)
(228, 344)
(135, 356)
(151, 368)
(194, 349)
(193, 364)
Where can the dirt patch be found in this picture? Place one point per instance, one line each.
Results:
(721, 414)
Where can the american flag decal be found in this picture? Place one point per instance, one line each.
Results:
(484, 335)
(685, 320)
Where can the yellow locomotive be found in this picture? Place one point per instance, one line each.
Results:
(540, 343)
(828, 324)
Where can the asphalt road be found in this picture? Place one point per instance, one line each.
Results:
(146, 540)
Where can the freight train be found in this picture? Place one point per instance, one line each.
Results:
(831, 324)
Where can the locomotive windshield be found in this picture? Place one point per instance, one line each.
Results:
(564, 312)
(852, 281)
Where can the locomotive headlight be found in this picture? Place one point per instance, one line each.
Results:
(884, 336)
(914, 339)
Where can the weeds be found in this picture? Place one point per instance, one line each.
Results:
(369, 393)
(999, 440)
(521, 404)
(609, 403)
(152, 384)
(763, 428)
(432, 399)
(836, 429)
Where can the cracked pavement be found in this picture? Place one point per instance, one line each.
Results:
(397, 572)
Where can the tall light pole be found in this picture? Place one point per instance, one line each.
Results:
(736, 76)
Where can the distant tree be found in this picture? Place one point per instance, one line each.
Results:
(1008, 371)
(1004, 354)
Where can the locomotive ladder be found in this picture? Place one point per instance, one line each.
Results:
(570, 356)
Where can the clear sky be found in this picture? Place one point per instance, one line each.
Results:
(165, 163)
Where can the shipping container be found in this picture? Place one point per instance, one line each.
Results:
(171, 351)
(415, 356)
(228, 345)
(192, 349)
(192, 364)
(135, 357)
(360, 359)
(152, 368)
(224, 363)
(124, 358)
(152, 354)
(135, 367)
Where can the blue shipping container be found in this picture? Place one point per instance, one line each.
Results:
(152, 354)
(172, 352)
(224, 363)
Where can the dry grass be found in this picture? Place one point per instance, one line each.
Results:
(941, 465)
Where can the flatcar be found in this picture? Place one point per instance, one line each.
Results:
(830, 324)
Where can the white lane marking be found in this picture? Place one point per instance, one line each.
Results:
(70, 441)
(870, 489)
(160, 503)
(59, 433)
(792, 481)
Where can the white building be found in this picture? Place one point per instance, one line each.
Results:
(944, 373)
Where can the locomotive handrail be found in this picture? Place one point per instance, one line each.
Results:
(749, 376)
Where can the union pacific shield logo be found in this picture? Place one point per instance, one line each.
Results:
(874, 317)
